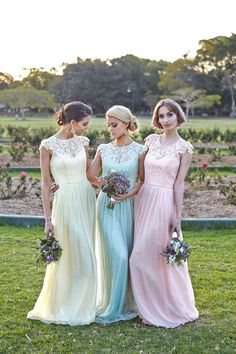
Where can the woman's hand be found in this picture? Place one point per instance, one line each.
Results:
(176, 226)
(99, 181)
(49, 228)
(121, 197)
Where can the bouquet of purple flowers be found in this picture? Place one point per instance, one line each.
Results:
(177, 251)
(115, 183)
(49, 250)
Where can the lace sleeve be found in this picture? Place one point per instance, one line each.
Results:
(85, 141)
(142, 149)
(185, 146)
(46, 144)
(100, 148)
(149, 139)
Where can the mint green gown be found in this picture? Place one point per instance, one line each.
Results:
(115, 237)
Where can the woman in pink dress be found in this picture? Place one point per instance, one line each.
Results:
(163, 292)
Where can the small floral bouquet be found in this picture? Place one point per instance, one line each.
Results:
(49, 250)
(115, 183)
(177, 251)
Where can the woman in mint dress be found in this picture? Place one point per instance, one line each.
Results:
(115, 226)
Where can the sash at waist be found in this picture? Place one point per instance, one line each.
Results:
(65, 183)
(158, 185)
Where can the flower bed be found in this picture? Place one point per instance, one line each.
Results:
(202, 196)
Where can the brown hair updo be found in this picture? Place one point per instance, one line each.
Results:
(73, 111)
(123, 114)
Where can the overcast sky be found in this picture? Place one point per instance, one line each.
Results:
(47, 33)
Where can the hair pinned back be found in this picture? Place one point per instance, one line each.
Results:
(73, 111)
(61, 117)
(133, 125)
(123, 114)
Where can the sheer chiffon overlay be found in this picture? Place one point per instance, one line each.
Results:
(163, 292)
(68, 295)
(115, 238)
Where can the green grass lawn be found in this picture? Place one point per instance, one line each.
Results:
(100, 123)
(212, 267)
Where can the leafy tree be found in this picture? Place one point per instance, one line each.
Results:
(5, 80)
(217, 56)
(192, 98)
(21, 97)
(124, 80)
(180, 73)
(87, 80)
(39, 78)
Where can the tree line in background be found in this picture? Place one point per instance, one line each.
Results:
(205, 84)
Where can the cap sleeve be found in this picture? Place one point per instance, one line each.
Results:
(150, 139)
(85, 141)
(100, 148)
(142, 149)
(185, 146)
(46, 144)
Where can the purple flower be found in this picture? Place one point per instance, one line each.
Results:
(115, 183)
(49, 250)
(49, 258)
(176, 252)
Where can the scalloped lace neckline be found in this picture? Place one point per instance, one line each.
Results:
(170, 145)
(74, 136)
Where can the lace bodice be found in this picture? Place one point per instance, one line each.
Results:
(68, 160)
(153, 142)
(162, 162)
(123, 159)
(71, 147)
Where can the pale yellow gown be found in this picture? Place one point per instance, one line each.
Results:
(68, 295)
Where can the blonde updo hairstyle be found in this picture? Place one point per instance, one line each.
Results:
(124, 115)
(75, 110)
(173, 107)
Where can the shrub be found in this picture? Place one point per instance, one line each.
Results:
(232, 150)
(229, 191)
(2, 130)
(94, 137)
(18, 142)
(144, 132)
(37, 135)
(17, 187)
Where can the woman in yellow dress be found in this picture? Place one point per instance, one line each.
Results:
(68, 295)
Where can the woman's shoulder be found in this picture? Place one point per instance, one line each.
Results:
(103, 147)
(184, 146)
(140, 148)
(84, 140)
(151, 139)
(47, 143)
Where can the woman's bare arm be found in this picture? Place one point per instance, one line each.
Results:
(179, 188)
(94, 169)
(45, 157)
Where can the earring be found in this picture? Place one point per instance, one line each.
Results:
(126, 132)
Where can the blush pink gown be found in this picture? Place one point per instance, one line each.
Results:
(163, 292)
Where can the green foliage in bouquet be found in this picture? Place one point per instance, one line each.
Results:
(49, 250)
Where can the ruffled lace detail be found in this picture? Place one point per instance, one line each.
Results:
(121, 153)
(71, 147)
(180, 147)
